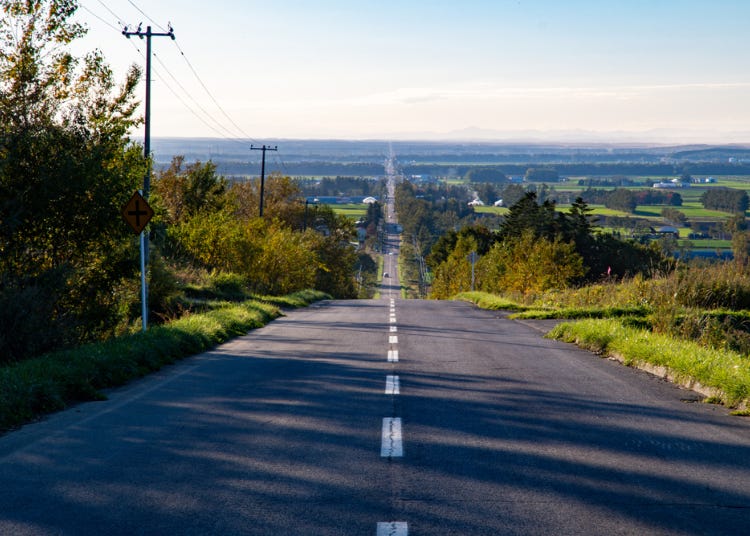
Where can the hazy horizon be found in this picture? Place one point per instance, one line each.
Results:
(604, 70)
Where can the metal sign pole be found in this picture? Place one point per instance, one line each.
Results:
(144, 297)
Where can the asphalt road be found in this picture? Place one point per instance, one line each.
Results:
(282, 432)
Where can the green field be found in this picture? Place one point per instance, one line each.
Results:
(352, 210)
(691, 210)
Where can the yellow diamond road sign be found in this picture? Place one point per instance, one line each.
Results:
(137, 213)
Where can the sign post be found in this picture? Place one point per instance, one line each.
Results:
(473, 258)
(137, 213)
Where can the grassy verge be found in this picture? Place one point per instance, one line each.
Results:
(573, 313)
(485, 300)
(49, 383)
(624, 332)
(726, 372)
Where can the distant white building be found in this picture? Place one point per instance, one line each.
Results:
(476, 203)
(498, 203)
(369, 200)
(669, 185)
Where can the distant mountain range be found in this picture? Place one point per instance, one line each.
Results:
(662, 136)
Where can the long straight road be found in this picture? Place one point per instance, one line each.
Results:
(384, 417)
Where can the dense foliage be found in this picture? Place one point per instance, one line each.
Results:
(486, 174)
(536, 249)
(66, 168)
(427, 212)
(726, 199)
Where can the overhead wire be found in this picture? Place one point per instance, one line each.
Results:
(208, 92)
(115, 15)
(186, 105)
(238, 135)
(200, 80)
(190, 96)
(145, 15)
(100, 18)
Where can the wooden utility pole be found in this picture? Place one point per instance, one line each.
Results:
(264, 148)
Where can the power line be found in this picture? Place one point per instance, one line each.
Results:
(190, 96)
(205, 87)
(218, 128)
(146, 15)
(219, 133)
(119, 19)
(101, 19)
(195, 73)
(191, 110)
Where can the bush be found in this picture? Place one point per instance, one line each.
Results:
(29, 324)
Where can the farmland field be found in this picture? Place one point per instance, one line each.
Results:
(352, 210)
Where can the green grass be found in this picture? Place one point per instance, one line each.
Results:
(353, 210)
(485, 300)
(573, 313)
(727, 372)
(49, 383)
(491, 210)
(708, 244)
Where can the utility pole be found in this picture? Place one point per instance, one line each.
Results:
(264, 148)
(147, 154)
(147, 142)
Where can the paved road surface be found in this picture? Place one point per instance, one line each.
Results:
(293, 429)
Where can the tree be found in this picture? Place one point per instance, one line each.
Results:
(741, 249)
(486, 174)
(542, 175)
(454, 274)
(281, 199)
(528, 264)
(482, 238)
(673, 215)
(185, 190)
(67, 168)
(726, 200)
(526, 214)
(487, 193)
(621, 199)
(512, 194)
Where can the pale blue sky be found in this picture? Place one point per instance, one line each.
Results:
(395, 69)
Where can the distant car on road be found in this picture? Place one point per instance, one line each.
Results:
(386, 274)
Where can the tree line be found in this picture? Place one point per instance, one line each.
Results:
(537, 248)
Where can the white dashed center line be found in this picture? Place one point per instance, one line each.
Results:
(392, 385)
(393, 528)
(391, 444)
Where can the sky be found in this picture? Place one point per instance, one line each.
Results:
(604, 70)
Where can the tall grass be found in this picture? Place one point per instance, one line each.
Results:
(486, 300)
